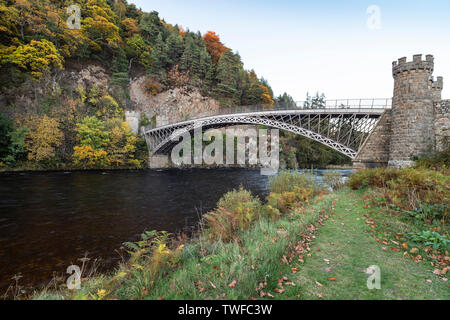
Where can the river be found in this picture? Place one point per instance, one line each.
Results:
(50, 220)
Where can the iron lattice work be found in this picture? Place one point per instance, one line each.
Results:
(343, 129)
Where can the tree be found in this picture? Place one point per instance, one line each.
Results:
(37, 57)
(12, 142)
(136, 48)
(316, 102)
(229, 77)
(43, 138)
(286, 101)
(174, 48)
(159, 57)
(94, 138)
(151, 26)
(214, 46)
(9, 17)
(130, 27)
(122, 146)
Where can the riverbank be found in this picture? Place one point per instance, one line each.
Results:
(299, 245)
(25, 169)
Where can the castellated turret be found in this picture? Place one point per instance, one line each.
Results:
(415, 92)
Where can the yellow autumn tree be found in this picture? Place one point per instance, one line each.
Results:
(38, 57)
(93, 140)
(99, 27)
(122, 146)
(43, 138)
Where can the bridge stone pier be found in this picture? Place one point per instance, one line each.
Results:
(416, 125)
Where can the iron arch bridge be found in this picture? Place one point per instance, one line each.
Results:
(343, 125)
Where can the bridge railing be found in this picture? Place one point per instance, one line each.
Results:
(353, 104)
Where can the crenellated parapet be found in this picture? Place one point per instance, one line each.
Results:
(438, 84)
(417, 64)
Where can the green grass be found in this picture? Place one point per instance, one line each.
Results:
(346, 243)
(258, 258)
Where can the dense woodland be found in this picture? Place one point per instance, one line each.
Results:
(84, 127)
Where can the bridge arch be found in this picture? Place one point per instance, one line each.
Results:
(343, 130)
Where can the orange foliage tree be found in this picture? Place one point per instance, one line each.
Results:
(214, 46)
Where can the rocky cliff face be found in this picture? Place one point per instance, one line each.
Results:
(76, 82)
(30, 96)
(169, 106)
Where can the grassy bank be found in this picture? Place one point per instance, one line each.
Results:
(302, 243)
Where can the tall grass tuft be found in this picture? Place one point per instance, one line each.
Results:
(236, 211)
(286, 181)
(289, 190)
(333, 179)
(408, 188)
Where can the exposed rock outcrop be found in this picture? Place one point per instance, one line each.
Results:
(169, 106)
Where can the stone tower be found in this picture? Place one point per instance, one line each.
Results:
(412, 122)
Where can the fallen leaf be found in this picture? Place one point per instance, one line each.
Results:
(319, 295)
(277, 290)
(404, 245)
(232, 284)
(319, 284)
(290, 284)
(295, 270)
(333, 278)
(212, 285)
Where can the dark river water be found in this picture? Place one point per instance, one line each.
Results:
(50, 220)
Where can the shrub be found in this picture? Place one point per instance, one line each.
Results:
(236, 211)
(150, 258)
(431, 239)
(437, 161)
(286, 201)
(333, 179)
(428, 212)
(153, 87)
(372, 178)
(407, 188)
(414, 186)
(286, 181)
(233, 199)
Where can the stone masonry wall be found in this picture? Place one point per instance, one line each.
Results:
(412, 133)
(375, 151)
(442, 124)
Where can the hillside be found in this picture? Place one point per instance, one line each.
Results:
(64, 91)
